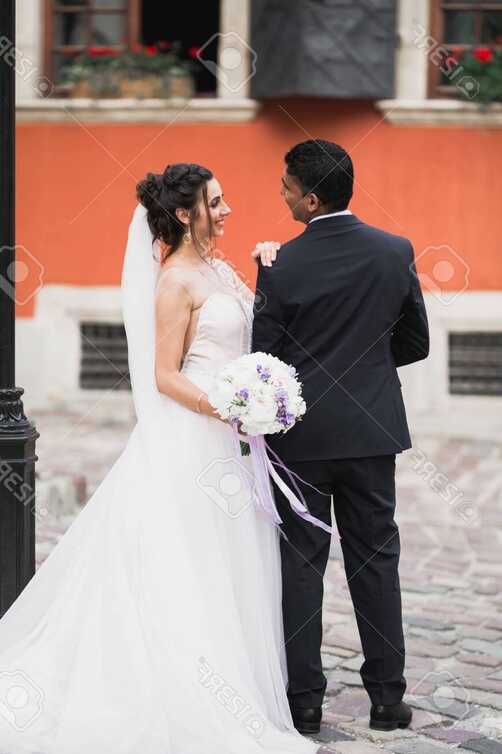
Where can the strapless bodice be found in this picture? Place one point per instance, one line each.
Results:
(223, 333)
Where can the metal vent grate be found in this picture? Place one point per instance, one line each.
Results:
(103, 360)
(475, 363)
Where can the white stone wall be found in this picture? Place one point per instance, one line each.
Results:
(48, 357)
(29, 41)
(411, 62)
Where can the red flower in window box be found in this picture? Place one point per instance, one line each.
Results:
(483, 54)
(194, 52)
(151, 50)
(164, 45)
(136, 47)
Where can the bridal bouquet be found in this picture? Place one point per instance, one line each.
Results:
(259, 393)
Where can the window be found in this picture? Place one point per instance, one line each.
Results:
(475, 363)
(458, 27)
(74, 26)
(103, 357)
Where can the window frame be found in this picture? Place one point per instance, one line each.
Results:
(436, 90)
(131, 10)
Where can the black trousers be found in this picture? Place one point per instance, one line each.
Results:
(364, 499)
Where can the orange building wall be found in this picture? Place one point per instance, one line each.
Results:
(436, 185)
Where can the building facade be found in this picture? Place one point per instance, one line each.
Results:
(427, 162)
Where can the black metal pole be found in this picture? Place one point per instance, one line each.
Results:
(17, 434)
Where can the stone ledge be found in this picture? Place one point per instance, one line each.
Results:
(137, 110)
(440, 112)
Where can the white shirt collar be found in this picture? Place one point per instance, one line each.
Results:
(332, 214)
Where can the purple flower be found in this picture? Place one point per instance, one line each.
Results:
(244, 393)
(264, 373)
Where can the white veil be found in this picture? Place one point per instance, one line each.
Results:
(139, 276)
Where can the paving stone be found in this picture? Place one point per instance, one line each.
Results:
(357, 747)
(441, 637)
(462, 619)
(333, 687)
(486, 647)
(485, 634)
(425, 589)
(352, 663)
(332, 718)
(484, 724)
(487, 588)
(336, 638)
(413, 661)
(349, 678)
(361, 730)
(453, 708)
(449, 734)
(329, 661)
(330, 733)
(429, 648)
(486, 660)
(423, 718)
(485, 684)
(424, 622)
(417, 746)
(475, 696)
(494, 623)
(484, 746)
(352, 703)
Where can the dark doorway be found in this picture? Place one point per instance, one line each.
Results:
(192, 24)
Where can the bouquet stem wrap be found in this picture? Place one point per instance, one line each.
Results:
(264, 469)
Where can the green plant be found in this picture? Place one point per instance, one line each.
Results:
(483, 68)
(150, 60)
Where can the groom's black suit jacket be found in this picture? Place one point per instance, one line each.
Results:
(343, 304)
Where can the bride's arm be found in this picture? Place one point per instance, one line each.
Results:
(173, 306)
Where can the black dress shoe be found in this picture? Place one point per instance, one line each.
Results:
(307, 720)
(390, 716)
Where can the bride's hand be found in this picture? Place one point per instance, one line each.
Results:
(266, 251)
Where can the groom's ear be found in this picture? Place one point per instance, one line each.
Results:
(313, 202)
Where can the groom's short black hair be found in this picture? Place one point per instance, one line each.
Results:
(325, 169)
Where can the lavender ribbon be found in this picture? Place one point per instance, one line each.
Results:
(264, 469)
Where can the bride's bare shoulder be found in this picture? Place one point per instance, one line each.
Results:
(173, 290)
(173, 276)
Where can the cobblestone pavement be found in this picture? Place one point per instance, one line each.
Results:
(450, 516)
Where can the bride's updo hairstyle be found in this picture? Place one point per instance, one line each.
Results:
(180, 185)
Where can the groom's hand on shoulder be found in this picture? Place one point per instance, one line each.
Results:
(266, 251)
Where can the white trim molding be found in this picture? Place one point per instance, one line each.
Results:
(440, 112)
(197, 110)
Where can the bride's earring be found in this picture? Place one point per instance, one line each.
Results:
(187, 238)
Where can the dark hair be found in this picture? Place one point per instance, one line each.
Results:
(180, 185)
(324, 169)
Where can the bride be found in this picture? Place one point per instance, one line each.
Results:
(154, 626)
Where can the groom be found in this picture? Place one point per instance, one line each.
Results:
(342, 304)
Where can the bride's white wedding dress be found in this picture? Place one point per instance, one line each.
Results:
(154, 626)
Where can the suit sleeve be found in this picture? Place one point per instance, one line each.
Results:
(410, 336)
(269, 326)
